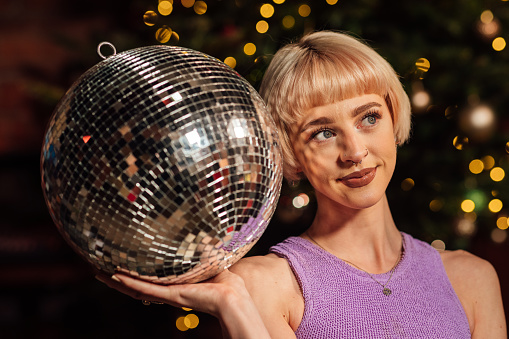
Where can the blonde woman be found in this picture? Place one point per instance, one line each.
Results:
(342, 112)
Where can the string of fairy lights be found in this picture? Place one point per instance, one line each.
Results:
(477, 122)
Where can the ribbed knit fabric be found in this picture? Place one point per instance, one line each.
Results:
(341, 301)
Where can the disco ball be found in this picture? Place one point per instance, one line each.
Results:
(163, 163)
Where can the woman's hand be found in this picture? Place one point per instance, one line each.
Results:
(224, 296)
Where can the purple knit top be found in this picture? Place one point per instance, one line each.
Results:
(341, 301)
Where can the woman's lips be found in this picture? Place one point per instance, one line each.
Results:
(360, 178)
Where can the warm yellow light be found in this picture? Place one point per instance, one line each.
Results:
(422, 64)
(507, 147)
(163, 34)
(187, 3)
(262, 26)
(460, 142)
(175, 36)
(191, 320)
(407, 184)
(495, 205)
(279, 2)
(503, 223)
(304, 11)
(267, 10)
(497, 174)
(498, 44)
(181, 325)
(487, 16)
(332, 2)
(249, 48)
(488, 162)
(436, 205)
(467, 205)
(200, 7)
(288, 22)
(476, 166)
(165, 7)
(187, 309)
(230, 61)
(150, 18)
(438, 245)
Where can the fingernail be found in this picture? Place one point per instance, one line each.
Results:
(114, 277)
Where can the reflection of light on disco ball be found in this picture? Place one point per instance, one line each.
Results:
(161, 162)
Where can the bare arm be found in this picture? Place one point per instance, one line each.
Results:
(476, 284)
(224, 296)
(275, 292)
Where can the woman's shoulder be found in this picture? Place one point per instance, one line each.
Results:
(476, 283)
(461, 264)
(264, 270)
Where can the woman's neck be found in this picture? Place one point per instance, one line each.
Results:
(366, 237)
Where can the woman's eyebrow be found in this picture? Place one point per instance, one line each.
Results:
(315, 122)
(363, 108)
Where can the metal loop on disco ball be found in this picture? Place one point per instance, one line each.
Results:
(161, 162)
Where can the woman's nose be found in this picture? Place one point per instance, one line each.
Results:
(353, 150)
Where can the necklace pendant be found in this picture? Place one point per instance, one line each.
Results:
(387, 291)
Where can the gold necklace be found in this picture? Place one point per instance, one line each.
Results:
(385, 290)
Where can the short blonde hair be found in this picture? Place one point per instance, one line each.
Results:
(322, 68)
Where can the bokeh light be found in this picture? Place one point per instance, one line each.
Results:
(181, 325)
(267, 10)
(249, 48)
(488, 162)
(200, 7)
(466, 227)
(407, 184)
(438, 245)
(486, 16)
(175, 36)
(304, 11)
(421, 99)
(482, 117)
(279, 2)
(262, 26)
(476, 166)
(436, 205)
(498, 44)
(191, 320)
(288, 22)
(460, 142)
(187, 3)
(165, 7)
(495, 205)
(503, 223)
(422, 64)
(230, 61)
(507, 147)
(498, 235)
(332, 2)
(467, 205)
(497, 174)
(300, 200)
(163, 34)
(150, 18)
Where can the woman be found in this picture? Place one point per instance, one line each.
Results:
(342, 111)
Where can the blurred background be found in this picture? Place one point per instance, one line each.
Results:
(449, 189)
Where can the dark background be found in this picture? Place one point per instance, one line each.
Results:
(46, 291)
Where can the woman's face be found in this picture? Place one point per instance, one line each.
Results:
(347, 150)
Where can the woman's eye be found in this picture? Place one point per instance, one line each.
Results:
(323, 135)
(369, 120)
